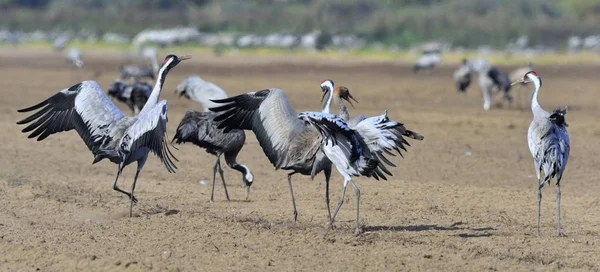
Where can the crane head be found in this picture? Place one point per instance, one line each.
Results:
(326, 86)
(530, 76)
(172, 60)
(343, 93)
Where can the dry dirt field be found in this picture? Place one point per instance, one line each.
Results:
(462, 199)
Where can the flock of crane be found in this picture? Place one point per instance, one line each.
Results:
(304, 143)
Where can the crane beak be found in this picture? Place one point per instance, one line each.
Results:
(185, 57)
(517, 82)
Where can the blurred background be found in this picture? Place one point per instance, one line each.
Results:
(371, 28)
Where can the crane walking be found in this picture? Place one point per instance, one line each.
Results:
(548, 142)
(200, 129)
(107, 132)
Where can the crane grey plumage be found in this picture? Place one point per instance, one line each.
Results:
(200, 129)
(106, 131)
(133, 95)
(548, 143)
(285, 140)
(201, 91)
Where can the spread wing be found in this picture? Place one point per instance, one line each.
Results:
(383, 135)
(83, 107)
(269, 114)
(149, 131)
(341, 144)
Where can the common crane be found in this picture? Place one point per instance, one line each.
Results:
(106, 131)
(548, 142)
(201, 91)
(200, 129)
(133, 95)
(380, 135)
(285, 140)
(427, 62)
(491, 79)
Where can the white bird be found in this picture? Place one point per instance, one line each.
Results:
(75, 57)
(200, 129)
(374, 136)
(548, 142)
(201, 91)
(106, 131)
(285, 140)
(427, 62)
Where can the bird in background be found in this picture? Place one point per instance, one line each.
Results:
(196, 89)
(133, 95)
(200, 129)
(549, 144)
(106, 131)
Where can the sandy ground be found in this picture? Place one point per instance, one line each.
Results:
(463, 199)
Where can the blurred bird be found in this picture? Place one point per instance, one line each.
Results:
(491, 80)
(427, 62)
(107, 132)
(75, 57)
(133, 95)
(548, 142)
(196, 89)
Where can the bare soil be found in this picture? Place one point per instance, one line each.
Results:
(462, 199)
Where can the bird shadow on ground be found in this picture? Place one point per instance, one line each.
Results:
(478, 232)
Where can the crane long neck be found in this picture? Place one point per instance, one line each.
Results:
(535, 105)
(160, 80)
(342, 108)
(327, 105)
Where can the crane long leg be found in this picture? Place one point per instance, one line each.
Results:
(222, 178)
(292, 193)
(327, 178)
(357, 191)
(133, 199)
(212, 190)
(558, 196)
(339, 205)
(120, 169)
(539, 196)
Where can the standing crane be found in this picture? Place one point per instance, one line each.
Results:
(201, 91)
(548, 142)
(106, 131)
(134, 95)
(285, 140)
(200, 129)
(378, 133)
